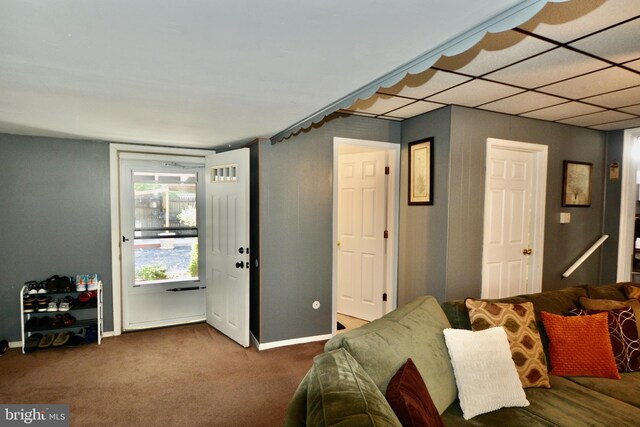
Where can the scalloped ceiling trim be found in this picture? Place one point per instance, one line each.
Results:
(507, 20)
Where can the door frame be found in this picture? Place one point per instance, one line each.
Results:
(143, 152)
(539, 191)
(393, 210)
(628, 197)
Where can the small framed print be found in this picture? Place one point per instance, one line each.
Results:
(576, 184)
(421, 172)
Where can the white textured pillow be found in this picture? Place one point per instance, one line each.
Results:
(486, 376)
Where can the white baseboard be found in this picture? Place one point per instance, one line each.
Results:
(303, 340)
(14, 344)
(108, 334)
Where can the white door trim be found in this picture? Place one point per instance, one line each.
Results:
(539, 192)
(140, 152)
(628, 196)
(393, 210)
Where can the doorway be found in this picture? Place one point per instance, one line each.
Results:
(627, 246)
(160, 217)
(515, 191)
(365, 224)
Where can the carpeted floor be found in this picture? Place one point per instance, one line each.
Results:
(181, 376)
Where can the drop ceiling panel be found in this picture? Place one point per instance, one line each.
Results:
(568, 21)
(632, 109)
(473, 93)
(602, 117)
(562, 111)
(618, 44)
(635, 65)
(379, 104)
(421, 85)
(483, 58)
(619, 98)
(415, 109)
(625, 124)
(523, 102)
(596, 83)
(549, 68)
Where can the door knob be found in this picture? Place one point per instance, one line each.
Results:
(527, 251)
(239, 264)
(338, 243)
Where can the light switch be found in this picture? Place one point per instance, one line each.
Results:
(565, 217)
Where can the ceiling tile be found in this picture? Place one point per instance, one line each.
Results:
(603, 81)
(522, 102)
(634, 65)
(632, 109)
(492, 52)
(616, 99)
(568, 21)
(556, 65)
(625, 124)
(618, 44)
(594, 119)
(415, 109)
(395, 119)
(473, 93)
(379, 104)
(421, 85)
(357, 113)
(562, 111)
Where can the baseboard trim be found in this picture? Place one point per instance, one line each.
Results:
(284, 343)
(18, 344)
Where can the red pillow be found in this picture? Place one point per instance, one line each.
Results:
(580, 345)
(409, 398)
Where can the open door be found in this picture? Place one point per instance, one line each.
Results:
(227, 243)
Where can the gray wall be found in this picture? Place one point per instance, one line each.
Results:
(612, 198)
(55, 217)
(564, 243)
(423, 229)
(296, 225)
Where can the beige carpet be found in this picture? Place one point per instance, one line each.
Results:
(181, 376)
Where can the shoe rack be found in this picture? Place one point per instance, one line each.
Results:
(86, 315)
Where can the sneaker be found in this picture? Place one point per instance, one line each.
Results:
(43, 303)
(53, 305)
(66, 303)
(32, 287)
(31, 343)
(81, 284)
(4, 346)
(29, 303)
(42, 287)
(64, 284)
(32, 324)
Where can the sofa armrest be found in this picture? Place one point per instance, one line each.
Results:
(297, 410)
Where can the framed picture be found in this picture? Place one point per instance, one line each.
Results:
(420, 172)
(576, 184)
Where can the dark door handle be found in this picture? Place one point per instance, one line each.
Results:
(239, 264)
(124, 239)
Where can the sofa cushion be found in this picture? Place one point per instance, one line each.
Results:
(631, 291)
(486, 376)
(627, 389)
(613, 291)
(580, 345)
(519, 323)
(412, 331)
(409, 398)
(341, 393)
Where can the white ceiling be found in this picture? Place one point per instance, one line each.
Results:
(576, 63)
(215, 73)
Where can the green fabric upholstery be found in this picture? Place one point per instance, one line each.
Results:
(627, 389)
(458, 316)
(297, 410)
(613, 292)
(341, 393)
(570, 404)
(557, 302)
(415, 330)
(505, 417)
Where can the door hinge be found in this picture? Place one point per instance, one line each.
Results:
(386, 170)
(384, 296)
(386, 234)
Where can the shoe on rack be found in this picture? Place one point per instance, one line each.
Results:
(29, 303)
(32, 287)
(92, 333)
(43, 303)
(65, 284)
(66, 303)
(31, 343)
(53, 305)
(42, 287)
(57, 321)
(4, 346)
(68, 319)
(61, 339)
(53, 283)
(47, 340)
(87, 296)
(32, 324)
(77, 338)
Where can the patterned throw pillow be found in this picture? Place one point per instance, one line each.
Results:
(623, 335)
(580, 345)
(631, 291)
(608, 305)
(519, 323)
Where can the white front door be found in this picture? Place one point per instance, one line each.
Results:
(511, 210)
(227, 243)
(361, 226)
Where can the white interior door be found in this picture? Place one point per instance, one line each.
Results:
(227, 249)
(510, 255)
(361, 227)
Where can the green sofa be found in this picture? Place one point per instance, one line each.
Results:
(346, 384)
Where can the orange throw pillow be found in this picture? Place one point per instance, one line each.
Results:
(580, 346)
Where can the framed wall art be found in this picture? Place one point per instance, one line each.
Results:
(576, 184)
(421, 172)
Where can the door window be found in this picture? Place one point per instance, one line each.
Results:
(165, 227)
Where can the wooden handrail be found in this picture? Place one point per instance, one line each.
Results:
(586, 255)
